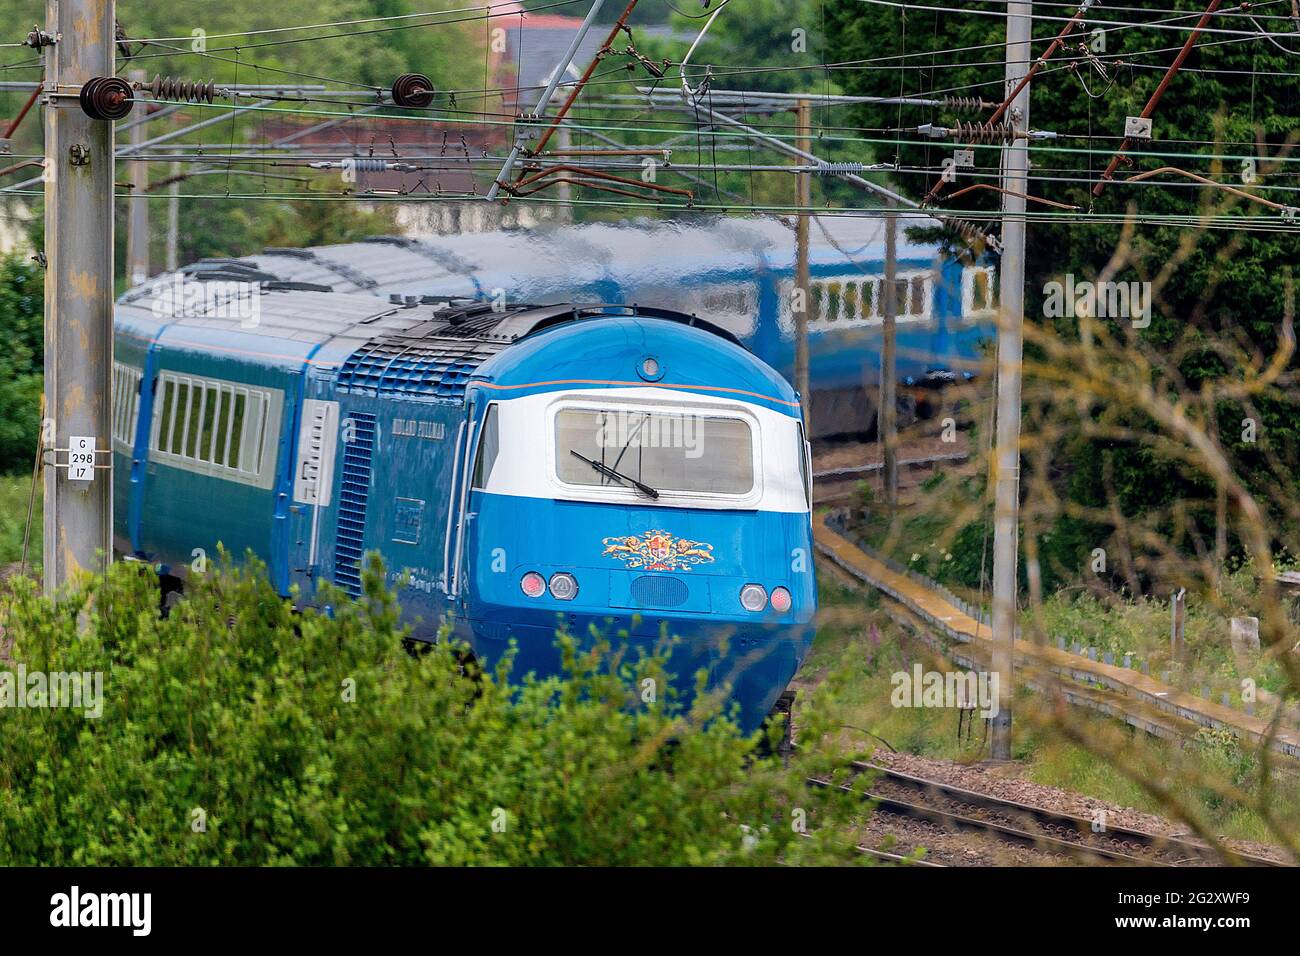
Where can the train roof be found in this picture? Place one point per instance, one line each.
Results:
(562, 258)
(283, 326)
(689, 357)
(418, 349)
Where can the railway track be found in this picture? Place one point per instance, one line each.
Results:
(1116, 843)
(855, 471)
(838, 470)
(950, 819)
(1046, 831)
(896, 858)
(1126, 694)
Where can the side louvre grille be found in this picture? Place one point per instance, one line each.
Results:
(401, 367)
(354, 494)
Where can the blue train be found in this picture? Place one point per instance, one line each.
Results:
(738, 274)
(519, 468)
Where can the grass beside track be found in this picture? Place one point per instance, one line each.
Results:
(859, 648)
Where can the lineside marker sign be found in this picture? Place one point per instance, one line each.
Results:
(81, 458)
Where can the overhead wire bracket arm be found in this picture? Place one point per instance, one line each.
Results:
(1138, 177)
(964, 228)
(1041, 61)
(605, 48)
(1038, 64)
(1154, 101)
(688, 94)
(595, 174)
(1012, 192)
(522, 136)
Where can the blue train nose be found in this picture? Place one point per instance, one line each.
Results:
(755, 661)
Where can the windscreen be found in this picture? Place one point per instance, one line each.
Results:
(669, 451)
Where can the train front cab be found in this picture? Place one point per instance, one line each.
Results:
(721, 563)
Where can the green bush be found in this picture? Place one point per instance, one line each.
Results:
(15, 493)
(237, 731)
(22, 305)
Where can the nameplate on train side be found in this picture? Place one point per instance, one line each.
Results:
(415, 428)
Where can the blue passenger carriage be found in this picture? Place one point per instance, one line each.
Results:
(518, 468)
(737, 273)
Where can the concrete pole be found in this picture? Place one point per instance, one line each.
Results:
(78, 523)
(803, 281)
(1220, 531)
(887, 419)
(137, 221)
(1178, 612)
(174, 219)
(1015, 177)
(564, 192)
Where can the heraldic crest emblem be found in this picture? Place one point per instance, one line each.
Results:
(658, 551)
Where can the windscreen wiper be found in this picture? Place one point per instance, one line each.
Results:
(628, 444)
(609, 472)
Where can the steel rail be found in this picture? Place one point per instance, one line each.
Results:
(956, 821)
(1067, 822)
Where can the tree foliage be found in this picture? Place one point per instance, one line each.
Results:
(218, 227)
(1218, 312)
(22, 303)
(247, 42)
(236, 731)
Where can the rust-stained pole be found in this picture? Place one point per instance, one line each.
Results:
(1152, 103)
(78, 289)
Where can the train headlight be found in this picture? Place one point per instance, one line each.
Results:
(650, 369)
(532, 584)
(753, 597)
(564, 586)
(781, 600)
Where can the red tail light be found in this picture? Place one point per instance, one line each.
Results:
(532, 584)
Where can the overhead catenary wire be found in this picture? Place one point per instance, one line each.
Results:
(1049, 146)
(1100, 22)
(774, 133)
(720, 71)
(476, 12)
(716, 139)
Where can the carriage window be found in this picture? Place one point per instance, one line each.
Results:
(859, 300)
(126, 402)
(489, 444)
(668, 451)
(978, 291)
(217, 428)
